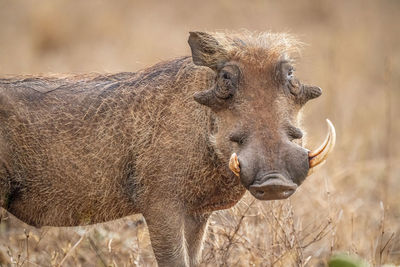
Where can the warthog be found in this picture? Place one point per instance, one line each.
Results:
(173, 142)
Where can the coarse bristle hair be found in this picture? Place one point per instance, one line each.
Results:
(253, 46)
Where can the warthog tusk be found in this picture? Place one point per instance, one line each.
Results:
(234, 164)
(319, 155)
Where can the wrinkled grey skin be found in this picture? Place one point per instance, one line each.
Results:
(86, 149)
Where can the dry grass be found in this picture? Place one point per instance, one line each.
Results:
(352, 204)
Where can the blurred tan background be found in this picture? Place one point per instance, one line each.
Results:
(352, 204)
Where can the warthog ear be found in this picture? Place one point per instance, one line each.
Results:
(206, 51)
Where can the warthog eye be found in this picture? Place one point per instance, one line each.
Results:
(294, 132)
(226, 76)
(227, 82)
(285, 72)
(238, 137)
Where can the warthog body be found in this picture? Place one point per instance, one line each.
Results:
(86, 149)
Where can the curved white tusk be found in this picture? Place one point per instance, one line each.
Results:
(234, 164)
(319, 155)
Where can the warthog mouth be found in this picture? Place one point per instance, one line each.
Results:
(273, 186)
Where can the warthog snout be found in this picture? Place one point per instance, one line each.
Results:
(278, 178)
(269, 179)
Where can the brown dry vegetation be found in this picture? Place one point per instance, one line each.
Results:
(351, 204)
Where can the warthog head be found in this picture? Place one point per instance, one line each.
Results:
(256, 99)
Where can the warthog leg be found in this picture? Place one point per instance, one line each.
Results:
(195, 228)
(165, 223)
